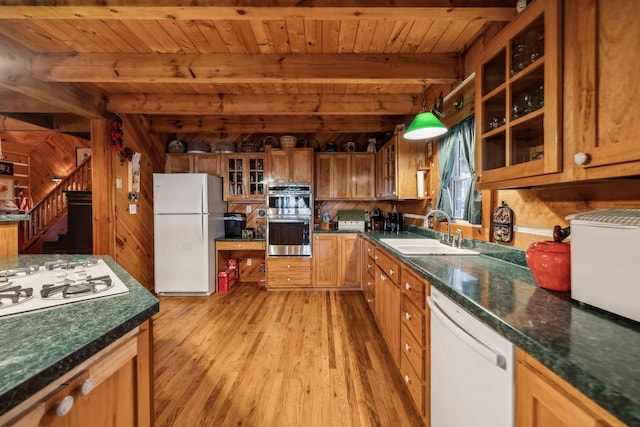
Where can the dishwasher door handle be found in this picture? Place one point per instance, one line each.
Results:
(471, 341)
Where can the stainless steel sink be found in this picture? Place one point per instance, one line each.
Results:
(425, 247)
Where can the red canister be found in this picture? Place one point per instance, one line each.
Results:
(550, 264)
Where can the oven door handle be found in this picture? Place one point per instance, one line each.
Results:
(304, 220)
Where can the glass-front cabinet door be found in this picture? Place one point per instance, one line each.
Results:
(244, 177)
(520, 99)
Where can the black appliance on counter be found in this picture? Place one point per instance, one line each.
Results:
(234, 222)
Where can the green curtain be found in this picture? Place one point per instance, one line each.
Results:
(473, 205)
(464, 131)
(446, 161)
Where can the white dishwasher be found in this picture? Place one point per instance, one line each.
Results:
(472, 369)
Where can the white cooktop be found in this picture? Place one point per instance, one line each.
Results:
(57, 273)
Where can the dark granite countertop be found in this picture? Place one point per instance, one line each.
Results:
(13, 217)
(39, 346)
(597, 352)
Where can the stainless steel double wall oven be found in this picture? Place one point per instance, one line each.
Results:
(289, 219)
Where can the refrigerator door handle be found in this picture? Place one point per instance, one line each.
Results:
(202, 224)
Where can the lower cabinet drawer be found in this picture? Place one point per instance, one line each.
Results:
(413, 382)
(283, 272)
(413, 320)
(412, 350)
(369, 297)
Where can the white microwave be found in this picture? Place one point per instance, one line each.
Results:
(605, 268)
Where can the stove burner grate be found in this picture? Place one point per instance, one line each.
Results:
(77, 289)
(15, 295)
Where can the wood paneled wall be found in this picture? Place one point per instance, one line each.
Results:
(134, 232)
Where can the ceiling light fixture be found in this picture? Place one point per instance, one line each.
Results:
(425, 125)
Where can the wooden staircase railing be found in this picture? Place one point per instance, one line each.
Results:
(49, 210)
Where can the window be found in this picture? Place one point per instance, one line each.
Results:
(457, 194)
(459, 183)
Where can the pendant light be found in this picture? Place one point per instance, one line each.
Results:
(425, 125)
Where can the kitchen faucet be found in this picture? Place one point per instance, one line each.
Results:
(447, 240)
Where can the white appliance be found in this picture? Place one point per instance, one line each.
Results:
(604, 260)
(472, 369)
(188, 215)
(55, 283)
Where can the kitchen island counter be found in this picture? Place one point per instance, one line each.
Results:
(40, 346)
(596, 352)
(9, 233)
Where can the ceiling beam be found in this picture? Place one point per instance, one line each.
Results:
(223, 104)
(496, 10)
(274, 124)
(250, 69)
(15, 75)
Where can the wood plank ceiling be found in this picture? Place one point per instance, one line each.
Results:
(232, 66)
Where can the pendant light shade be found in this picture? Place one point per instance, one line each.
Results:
(424, 126)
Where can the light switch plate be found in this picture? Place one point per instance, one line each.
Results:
(118, 182)
(133, 209)
(248, 208)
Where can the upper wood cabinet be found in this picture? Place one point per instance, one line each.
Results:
(397, 164)
(244, 177)
(179, 163)
(345, 176)
(289, 165)
(519, 98)
(603, 87)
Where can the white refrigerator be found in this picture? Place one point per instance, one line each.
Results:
(188, 215)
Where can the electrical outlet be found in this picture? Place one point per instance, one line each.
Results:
(249, 261)
(133, 209)
(248, 208)
(118, 182)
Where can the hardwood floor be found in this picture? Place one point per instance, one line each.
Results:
(255, 358)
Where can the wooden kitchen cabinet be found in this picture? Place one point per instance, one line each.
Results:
(519, 98)
(244, 177)
(368, 272)
(179, 163)
(387, 301)
(121, 392)
(414, 338)
(289, 165)
(397, 164)
(345, 176)
(288, 272)
(603, 89)
(544, 399)
(336, 260)
(208, 163)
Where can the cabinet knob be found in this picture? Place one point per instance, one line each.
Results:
(288, 279)
(369, 283)
(369, 300)
(64, 406)
(376, 257)
(407, 347)
(383, 277)
(407, 315)
(581, 158)
(86, 387)
(407, 379)
(391, 272)
(407, 286)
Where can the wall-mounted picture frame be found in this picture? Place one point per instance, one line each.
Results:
(6, 168)
(430, 149)
(82, 154)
